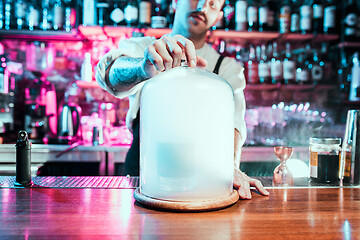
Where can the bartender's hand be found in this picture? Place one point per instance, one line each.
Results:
(242, 183)
(167, 52)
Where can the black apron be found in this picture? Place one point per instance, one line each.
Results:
(133, 156)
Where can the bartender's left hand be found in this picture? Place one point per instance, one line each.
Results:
(243, 182)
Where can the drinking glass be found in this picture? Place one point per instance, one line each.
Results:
(282, 175)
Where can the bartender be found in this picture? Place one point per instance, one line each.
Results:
(123, 71)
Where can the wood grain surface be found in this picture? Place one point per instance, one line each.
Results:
(326, 213)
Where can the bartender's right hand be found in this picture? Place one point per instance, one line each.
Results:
(167, 52)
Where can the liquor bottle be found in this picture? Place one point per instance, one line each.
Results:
(295, 17)
(272, 16)
(252, 67)
(285, 17)
(288, 66)
(344, 76)
(102, 9)
(327, 69)
(263, 16)
(355, 79)
(229, 12)
(131, 13)
(170, 14)
(302, 70)
(33, 16)
(8, 12)
(89, 13)
(158, 19)
(276, 66)
(46, 16)
(330, 17)
(252, 16)
(70, 16)
(350, 21)
(117, 14)
(20, 13)
(144, 13)
(264, 66)
(318, 16)
(2, 17)
(306, 16)
(58, 15)
(316, 68)
(4, 73)
(308, 59)
(241, 15)
(228, 18)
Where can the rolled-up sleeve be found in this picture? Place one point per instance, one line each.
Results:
(132, 47)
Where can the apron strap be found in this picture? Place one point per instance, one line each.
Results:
(218, 63)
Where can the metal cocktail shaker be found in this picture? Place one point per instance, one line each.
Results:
(350, 153)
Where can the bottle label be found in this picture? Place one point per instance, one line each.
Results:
(289, 69)
(318, 11)
(240, 11)
(317, 73)
(263, 15)
(117, 15)
(158, 22)
(302, 75)
(313, 164)
(295, 22)
(276, 69)
(264, 70)
(252, 14)
(351, 19)
(305, 19)
(131, 13)
(329, 17)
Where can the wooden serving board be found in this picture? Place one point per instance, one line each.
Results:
(184, 206)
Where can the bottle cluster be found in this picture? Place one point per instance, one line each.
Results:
(131, 13)
(266, 64)
(285, 16)
(38, 15)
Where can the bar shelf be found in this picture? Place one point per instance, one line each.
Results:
(39, 35)
(288, 87)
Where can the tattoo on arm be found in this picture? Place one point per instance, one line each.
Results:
(127, 72)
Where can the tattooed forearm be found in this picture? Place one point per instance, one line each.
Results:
(126, 72)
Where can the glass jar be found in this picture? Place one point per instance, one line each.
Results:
(324, 160)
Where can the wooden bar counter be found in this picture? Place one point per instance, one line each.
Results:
(112, 213)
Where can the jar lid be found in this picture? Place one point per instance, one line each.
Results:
(325, 140)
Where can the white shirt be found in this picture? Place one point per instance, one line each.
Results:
(229, 69)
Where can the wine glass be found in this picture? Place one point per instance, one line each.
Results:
(282, 175)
